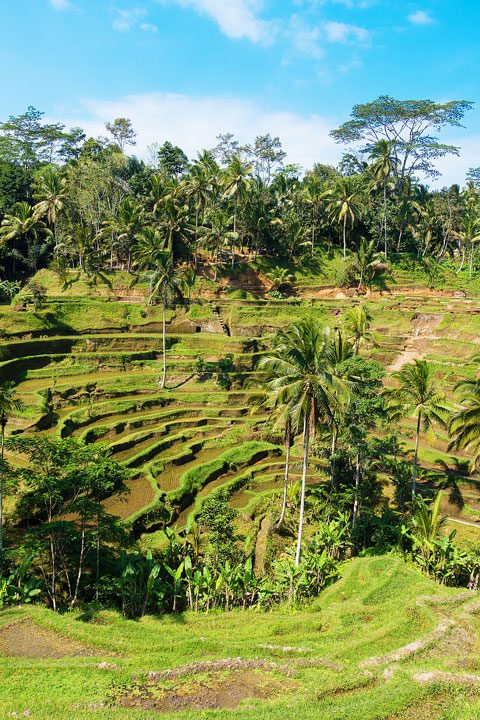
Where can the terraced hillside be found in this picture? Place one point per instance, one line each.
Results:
(88, 366)
(383, 643)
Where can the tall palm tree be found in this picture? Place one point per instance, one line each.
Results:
(236, 181)
(345, 205)
(417, 396)
(313, 194)
(123, 227)
(51, 195)
(468, 238)
(171, 212)
(9, 404)
(197, 187)
(166, 283)
(217, 233)
(464, 425)
(299, 377)
(384, 162)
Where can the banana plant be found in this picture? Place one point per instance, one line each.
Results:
(177, 585)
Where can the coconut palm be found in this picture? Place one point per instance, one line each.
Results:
(166, 283)
(313, 194)
(357, 322)
(299, 376)
(123, 227)
(218, 234)
(198, 188)
(9, 404)
(345, 205)
(383, 165)
(281, 278)
(417, 396)
(464, 423)
(23, 223)
(236, 182)
(51, 194)
(366, 263)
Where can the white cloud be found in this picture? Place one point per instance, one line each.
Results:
(237, 19)
(193, 124)
(342, 32)
(148, 27)
(420, 18)
(130, 18)
(305, 39)
(60, 4)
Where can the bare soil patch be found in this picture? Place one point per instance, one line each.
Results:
(416, 344)
(26, 640)
(212, 690)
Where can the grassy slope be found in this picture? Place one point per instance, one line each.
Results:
(372, 610)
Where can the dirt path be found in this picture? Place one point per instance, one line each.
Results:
(417, 341)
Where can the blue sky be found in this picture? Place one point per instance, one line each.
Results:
(186, 70)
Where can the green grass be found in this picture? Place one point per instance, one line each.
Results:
(369, 612)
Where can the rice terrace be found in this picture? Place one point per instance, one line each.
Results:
(239, 362)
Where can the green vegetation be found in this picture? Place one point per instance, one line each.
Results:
(228, 388)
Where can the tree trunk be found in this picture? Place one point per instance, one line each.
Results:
(385, 216)
(164, 341)
(345, 236)
(80, 565)
(415, 457)
(306, 441)
(287, 470)
(1, 491)
(357, 490)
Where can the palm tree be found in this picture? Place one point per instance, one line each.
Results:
(123, 226)
(51, 194)
(357, 323)
(236, 182)
(345, 205)
(166, 283)
(366, 263)
(24, 222)
(464, 425)
(417, 396)
(281, 278)
(384, 162)
(299, 377)
(197, 186)
(426, 526)
(313, 193)
(217, 234)
(9, 404)
(468, 237)
(173, 221)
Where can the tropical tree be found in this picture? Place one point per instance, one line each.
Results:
(418, 396)
(236, 181)
(365, 264)
(23, 223)
(346, 205)
(464, 425)
(9, 404)
(51, 193)
(123, 227)
(299, 377)
(167, 283)
(357, 323)
(383, 164)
